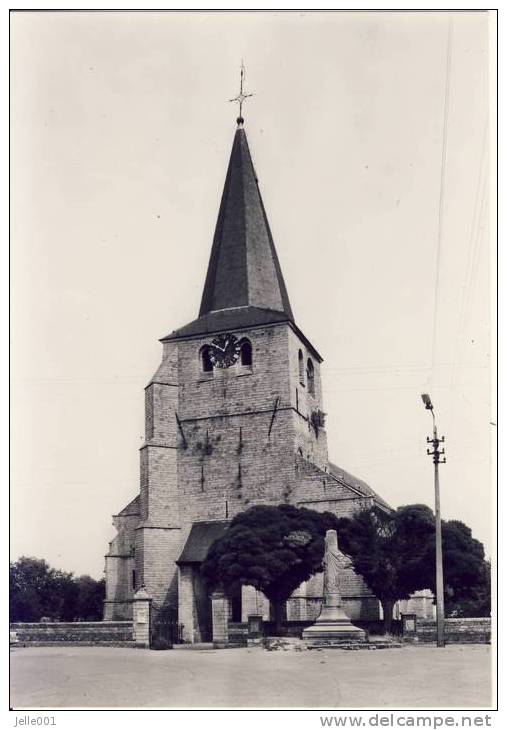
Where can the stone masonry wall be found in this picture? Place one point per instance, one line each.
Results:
(220, 442)
(319, 490)
(456, 630)
(119, 565)
(310, 446)
(119, 587)
(241, 427)
(234, 389)
(157, 549)
(421, 603)
(80, 632)
(253, 602)
(158, 535)
(186, 603)
(359, 602)
(159, 486)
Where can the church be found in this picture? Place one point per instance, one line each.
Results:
(234, 417)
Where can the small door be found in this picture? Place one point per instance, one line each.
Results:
(203, 610)
(235, 606)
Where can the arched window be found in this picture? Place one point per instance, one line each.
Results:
(206, 364)
(301, 368)
(310, 374)
(245, 354)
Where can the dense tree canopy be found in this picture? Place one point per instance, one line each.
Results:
(37, 591)
(467, 574)
(273, 549)
(390, 550)
(395, 554)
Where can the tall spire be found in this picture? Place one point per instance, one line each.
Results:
(243, 269)
(244, 285)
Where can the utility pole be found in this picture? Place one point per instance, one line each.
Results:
(436, 454)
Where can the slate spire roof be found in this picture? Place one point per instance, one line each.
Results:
(244, 285)
(243, 268)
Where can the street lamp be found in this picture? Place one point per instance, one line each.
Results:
(436, 453)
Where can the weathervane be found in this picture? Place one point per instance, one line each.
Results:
(240, 98)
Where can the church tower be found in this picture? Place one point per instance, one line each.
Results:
(234, 418)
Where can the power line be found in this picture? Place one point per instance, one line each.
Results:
(479, 234)
(476, 231)
(395, 369)
(442, 185)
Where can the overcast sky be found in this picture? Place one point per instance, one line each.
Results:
(121, 134)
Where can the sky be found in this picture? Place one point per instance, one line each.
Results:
(121, 132)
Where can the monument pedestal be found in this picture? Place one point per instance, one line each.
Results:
(333, 627)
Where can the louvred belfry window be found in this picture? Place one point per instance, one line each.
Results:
(245, 355)
(310, 374)
(301, 363)
(206, 364)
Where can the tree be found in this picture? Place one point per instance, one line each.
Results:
(37, 590)
(467, 575)
(390, 550)
(90, 598)
(24, 603)
(478, 602)
(274, 549)
(395, 554)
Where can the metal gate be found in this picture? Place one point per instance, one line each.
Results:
(166, 626)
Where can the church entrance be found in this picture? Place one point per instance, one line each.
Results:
(203, 619)
(194, 606)
(194, 601)
(235, 605)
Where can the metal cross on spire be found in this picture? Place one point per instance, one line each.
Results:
(240, 98)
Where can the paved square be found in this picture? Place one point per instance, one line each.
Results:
(424, 676)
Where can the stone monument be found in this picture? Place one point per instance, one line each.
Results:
(333, 626)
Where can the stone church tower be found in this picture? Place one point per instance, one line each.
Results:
(234, 418)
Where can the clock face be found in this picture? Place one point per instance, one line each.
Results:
(224, 351)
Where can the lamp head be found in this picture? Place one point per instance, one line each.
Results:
(427, 401)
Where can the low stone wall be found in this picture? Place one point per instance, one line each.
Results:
(84, 633)
(238, 633)
(456, 630)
